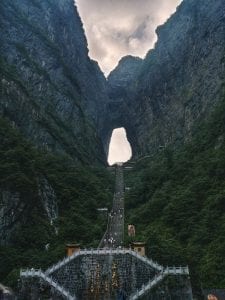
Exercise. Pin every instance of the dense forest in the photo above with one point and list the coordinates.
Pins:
(79, 191)
(177, 203)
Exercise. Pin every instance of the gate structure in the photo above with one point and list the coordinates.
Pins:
(111, 271)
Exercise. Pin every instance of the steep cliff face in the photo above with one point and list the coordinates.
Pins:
(59, 98)
(125, 72)
(53, 93)
(50, 88)
(180, 80)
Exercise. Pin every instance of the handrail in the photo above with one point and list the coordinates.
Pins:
(49, 280)
(147, 287)
(118, 205)
(105, 251)
(158, 278)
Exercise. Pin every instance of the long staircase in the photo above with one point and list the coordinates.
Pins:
(161, 271)
(114, 235)
(111, 252)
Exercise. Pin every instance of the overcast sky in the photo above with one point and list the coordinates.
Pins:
(119, 148)
(115, 28)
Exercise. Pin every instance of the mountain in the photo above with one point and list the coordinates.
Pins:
(176, 202)
(46, 201)
(173, 111)
(51, 97)
(57, 112)
(50, 89)
(60, 100)
(179, 81)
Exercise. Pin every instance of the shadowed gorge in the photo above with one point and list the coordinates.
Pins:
(57, 115)
(49, 77)
(50, 89)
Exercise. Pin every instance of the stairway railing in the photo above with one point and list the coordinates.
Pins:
(158, 278)
(117, 206)
(38, 273)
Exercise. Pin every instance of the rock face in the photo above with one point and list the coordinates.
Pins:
(13, 209)
(49, 87)
(51, 91)
(60, 100)
(178, 82)
(120, 93)
(125, 72)
(10, 210)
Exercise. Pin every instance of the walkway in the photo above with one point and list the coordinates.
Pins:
(114, 235)
(110, 269)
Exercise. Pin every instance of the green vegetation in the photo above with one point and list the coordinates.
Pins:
(177, 203)
(79, 191)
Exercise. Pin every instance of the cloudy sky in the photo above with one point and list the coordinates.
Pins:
(122, 152)
(115, 28)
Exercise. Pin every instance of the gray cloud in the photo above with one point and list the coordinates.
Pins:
(116, 28)
(140, 32)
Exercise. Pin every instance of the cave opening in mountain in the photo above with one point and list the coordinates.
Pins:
(119, 147)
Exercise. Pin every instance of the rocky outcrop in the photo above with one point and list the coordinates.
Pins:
(48, 198)
(50, 89)
(15, 209)
(125, 72)
(179, 81)
(10, 211)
